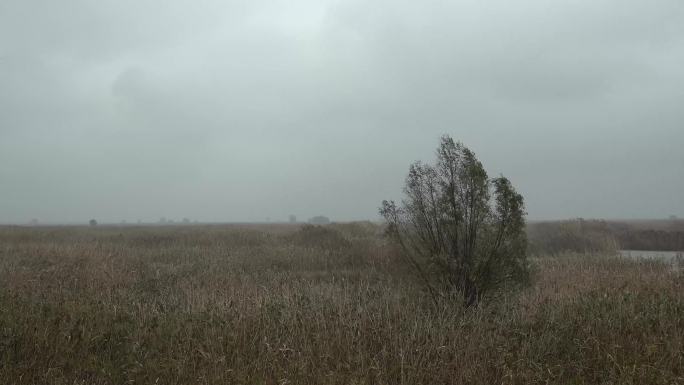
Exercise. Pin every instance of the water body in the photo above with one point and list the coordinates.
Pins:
(670, 256)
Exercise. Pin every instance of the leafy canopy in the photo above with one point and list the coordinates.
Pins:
(459, 228)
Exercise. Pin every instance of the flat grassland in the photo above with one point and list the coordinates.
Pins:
(324, 305)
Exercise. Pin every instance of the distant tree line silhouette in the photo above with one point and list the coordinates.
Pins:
(589, 236)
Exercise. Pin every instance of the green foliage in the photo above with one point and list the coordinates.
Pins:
(459, 228)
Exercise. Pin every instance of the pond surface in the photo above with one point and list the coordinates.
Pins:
(666, 255)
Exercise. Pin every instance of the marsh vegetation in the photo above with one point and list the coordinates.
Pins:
(284, 304)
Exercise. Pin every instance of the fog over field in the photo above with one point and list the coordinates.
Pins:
(247, 110)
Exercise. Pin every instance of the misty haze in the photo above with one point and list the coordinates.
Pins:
(238, 111)
(341, 192)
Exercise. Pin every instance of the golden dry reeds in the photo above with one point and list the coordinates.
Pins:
(329, 305)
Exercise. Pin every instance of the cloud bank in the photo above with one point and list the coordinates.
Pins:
(242, 111)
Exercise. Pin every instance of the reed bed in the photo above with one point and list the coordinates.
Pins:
(315, 305)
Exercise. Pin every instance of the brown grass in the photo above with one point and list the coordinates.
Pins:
(279, 305)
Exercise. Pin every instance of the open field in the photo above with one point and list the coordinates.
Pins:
(331, 305)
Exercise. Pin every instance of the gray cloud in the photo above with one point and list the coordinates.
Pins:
(245, 110)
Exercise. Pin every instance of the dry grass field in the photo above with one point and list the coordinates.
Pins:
(327, 305)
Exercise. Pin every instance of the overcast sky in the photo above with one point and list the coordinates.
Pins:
(246, 110)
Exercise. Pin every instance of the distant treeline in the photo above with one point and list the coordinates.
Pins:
(652, 240)
(590, 236)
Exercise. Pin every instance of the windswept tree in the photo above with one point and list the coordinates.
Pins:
(461, 230)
